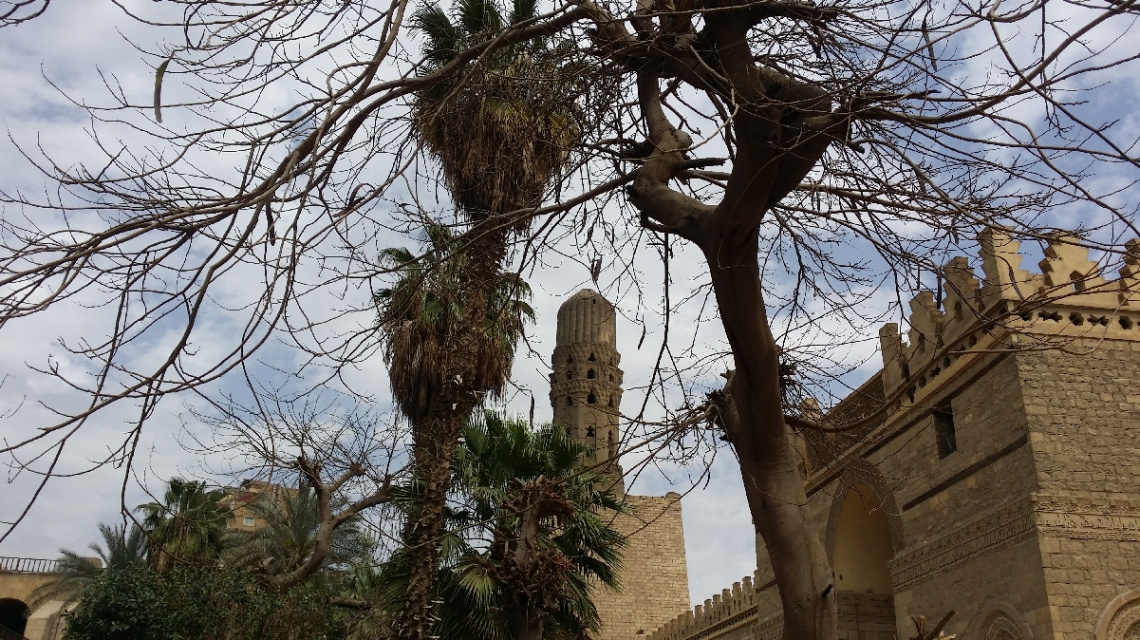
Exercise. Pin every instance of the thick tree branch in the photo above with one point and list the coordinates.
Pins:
(329, 520)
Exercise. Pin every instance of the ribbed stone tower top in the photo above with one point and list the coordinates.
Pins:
(587, 317)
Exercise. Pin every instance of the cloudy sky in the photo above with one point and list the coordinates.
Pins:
(72, 54)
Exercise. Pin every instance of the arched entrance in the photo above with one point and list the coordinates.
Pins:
(13, 617)
(861, 545)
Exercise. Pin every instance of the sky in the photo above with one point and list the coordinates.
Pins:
(78, 52)
(75, 51)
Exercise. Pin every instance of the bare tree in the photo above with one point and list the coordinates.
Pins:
(900, 129)
(350, 463)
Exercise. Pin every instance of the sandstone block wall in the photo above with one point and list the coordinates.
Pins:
(1083, 407)
(654, 577)
(1029, 525)
(45, 622)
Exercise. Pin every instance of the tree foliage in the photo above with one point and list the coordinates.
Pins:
(427, 308)
(288, 538)
(123, 551)
(527, 541)
(200, 602)
(187, 527)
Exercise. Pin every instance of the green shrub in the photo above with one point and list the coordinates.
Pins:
(200, 604)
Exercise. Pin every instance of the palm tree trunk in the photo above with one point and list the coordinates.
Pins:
(436, 440)
(436, 437)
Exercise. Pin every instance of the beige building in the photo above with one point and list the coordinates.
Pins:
(238, 500)
(993, 468)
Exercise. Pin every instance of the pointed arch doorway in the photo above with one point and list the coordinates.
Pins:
(862, 541)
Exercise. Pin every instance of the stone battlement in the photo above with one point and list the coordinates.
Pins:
(732, 607)
(1069, 298)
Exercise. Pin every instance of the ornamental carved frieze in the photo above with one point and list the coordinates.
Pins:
(1125, 625)
(1087, 517)
(1000, 528)
(769, 629)
(1079, 517)
(1001, 627)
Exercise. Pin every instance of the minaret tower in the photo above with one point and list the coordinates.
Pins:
(585, 387)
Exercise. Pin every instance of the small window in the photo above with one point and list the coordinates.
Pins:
(592, 399)
(944, 429)
(590, 432)
(569, 401)
(591, 374)
(592, 358)
(569, 375)
(247, 521)
(611, 401)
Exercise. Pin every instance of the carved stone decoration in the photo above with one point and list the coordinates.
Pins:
(1001, 627)
(770, 628)
(1120, 620)
(998, 620)
(1003, 527)
(1130, 275)
(1087, 518)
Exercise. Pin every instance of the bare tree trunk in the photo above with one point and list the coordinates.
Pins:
(773, 154)
(751, 408)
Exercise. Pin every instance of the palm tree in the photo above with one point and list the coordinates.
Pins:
(421, 314)
(548, 522)
(527, 539)
(123, 551)
(289, 536)
(445, 353)
(186, 527)
(500, 129)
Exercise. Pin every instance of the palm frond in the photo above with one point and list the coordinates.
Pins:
(443, 40)
(424, 311)
(479, 17)
(523, 10)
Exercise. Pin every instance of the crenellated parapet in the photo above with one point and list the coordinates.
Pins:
(1069, 298)
(731, 608)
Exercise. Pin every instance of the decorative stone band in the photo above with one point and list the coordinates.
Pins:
(770, 628)
(863, 608)
(1084, 517)
(1000, 528)
(1079, 517)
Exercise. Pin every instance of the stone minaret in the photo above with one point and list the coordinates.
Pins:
(585, 387)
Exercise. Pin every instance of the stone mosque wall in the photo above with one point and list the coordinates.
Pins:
(993, 467)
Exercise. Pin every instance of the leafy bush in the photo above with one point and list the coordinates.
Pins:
(200, 604)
